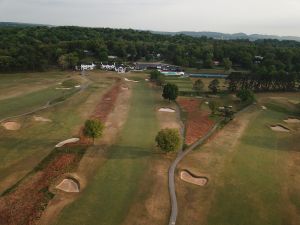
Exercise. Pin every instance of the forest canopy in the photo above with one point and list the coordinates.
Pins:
(40, 48)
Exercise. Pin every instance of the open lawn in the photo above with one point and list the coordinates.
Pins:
(185, 84)
(253, 172)
(21, 150)
(15, 84)
(107, 198)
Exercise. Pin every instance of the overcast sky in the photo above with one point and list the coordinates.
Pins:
(281, 17)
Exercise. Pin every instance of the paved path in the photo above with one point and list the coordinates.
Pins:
(179, 157)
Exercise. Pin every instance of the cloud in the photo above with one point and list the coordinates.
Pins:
(249, 16)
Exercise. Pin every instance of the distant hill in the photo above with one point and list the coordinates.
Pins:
(13, 24)
(214, 35)
(224, 36)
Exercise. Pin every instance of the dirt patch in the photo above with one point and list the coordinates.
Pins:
(41, 119)
(280, 128)
(68, 141)
(11, 125)
(69, 185)
(198, 122)
(189, 177)
(166, 110)
(292, 120)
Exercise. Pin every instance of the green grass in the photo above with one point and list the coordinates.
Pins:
(22, 104)
(21, 150)
(108, 196)
(185, 85)
(252, 182)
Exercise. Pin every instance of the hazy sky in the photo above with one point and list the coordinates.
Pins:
(280, 17)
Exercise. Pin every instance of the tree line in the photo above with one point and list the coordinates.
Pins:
(41, 48)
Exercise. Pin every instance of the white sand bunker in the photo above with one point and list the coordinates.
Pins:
(191, 178)
(166, 110)
(125, 88)
(41, 119)
(62, 88)
(135, 81)
(11, 125)
(264, 107)
(68, 141)
(69, 185)
(280, 128)
(292, 120)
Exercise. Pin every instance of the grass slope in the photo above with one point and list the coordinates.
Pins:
(253, 182)
(108, 196)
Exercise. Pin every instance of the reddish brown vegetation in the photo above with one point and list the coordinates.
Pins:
(25, 204)
(198, 122)
(107, 104)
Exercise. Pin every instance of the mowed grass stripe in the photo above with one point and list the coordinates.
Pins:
(31, 101)
(108, 196)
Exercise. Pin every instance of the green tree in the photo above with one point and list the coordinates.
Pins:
(227, 64)
(214, 86)
(170, 92)
(168, 140)
(93, 129)
(213, 106)
(198, 85)
(246, 95)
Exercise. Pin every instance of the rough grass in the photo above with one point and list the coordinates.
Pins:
(108, 196)
(254, 182)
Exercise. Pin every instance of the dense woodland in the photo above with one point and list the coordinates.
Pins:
(41, 48)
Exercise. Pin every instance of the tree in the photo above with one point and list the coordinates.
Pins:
(245, 95)
(198, 85)
(170, 92)
(168, 140)
(213, 106)
(214, 86)
(228, 113)
(93, 129)
(227, 64)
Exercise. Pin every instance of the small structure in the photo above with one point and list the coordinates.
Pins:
(87, 67)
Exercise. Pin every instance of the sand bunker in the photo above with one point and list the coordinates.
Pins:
(125, 88)
(166, 110)
(280, 128)
(135, 81)
(69, 185)
(11, 125)
(77, 86)
(71, 140)
(147, 80)
(62, 88)
(292, 120)
(263, 107)
(191, 178)
(41, 119)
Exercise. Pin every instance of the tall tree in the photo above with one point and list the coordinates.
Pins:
(170, 92)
